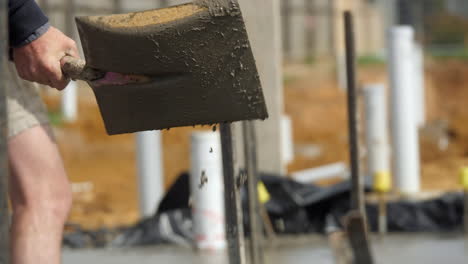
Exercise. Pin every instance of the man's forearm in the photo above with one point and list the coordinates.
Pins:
(25, 22)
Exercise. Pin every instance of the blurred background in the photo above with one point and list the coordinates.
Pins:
(103, 168)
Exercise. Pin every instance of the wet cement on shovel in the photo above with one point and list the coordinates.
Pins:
(197, 56)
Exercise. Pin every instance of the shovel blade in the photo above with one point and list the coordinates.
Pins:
(200, 66)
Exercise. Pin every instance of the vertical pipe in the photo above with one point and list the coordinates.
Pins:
(378, 154)
(382, 221)
(250, 151)
(207, 190)
(405, 145)
(357, 196)
(150, 171)
(70, 102)
(419, 85)
(4, 214)
(70, 94)
(287, 142)
(232, 205)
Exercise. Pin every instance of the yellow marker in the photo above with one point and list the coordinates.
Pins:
(464, 178)
(382, 181)
(263, 195)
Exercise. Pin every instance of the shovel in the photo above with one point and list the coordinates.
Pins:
(185, 65)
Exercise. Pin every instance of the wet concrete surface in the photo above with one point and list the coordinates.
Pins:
(407, 248)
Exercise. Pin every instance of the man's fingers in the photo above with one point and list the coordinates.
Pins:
(39, 61)
(73, 52)
(56, 78)
(71, 48)
(62, 83)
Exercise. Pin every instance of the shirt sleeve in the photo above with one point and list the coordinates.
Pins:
(26, 20)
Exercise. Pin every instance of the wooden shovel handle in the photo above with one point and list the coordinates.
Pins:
(76, 69)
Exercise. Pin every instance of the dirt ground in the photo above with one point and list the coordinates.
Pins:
(103, 168)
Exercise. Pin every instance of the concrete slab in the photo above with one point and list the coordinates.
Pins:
(404, 248)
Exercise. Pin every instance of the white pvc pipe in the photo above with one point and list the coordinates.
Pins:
(207, 191)
(70, 102)
(406, 167)
(378, 154)
(335, 170)
(341, 72)
(150, 171)
(287, 142)
(419, 85)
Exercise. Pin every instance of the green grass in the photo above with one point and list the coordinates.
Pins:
(370, 60)
(310, 60)
(459, 54)
(55, 118)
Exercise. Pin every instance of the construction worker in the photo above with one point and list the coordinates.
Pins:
(39, 189)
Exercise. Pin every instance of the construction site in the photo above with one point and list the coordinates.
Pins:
(363, 157)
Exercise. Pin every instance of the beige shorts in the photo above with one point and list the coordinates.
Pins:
(25, 108)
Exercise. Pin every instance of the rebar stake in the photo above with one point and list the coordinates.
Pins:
(356, 223)
(233, 209)
(250, 155)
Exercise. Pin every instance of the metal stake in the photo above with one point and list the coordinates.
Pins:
(465, 217)
(357, 199)
(233, 209)
(382, 214)
(356, 224)
(250, 151)
(4, 213)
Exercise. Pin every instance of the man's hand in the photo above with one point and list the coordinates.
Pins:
(39, 61)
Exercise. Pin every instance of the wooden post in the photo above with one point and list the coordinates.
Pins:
(263, 23)
(69, 17)
(45, 6)
(298, 30)
(232, 203)
(4, 214)
(117, 6)
(250, 150)
(285, 28)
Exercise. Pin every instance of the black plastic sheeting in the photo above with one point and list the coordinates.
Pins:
(294, 208)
